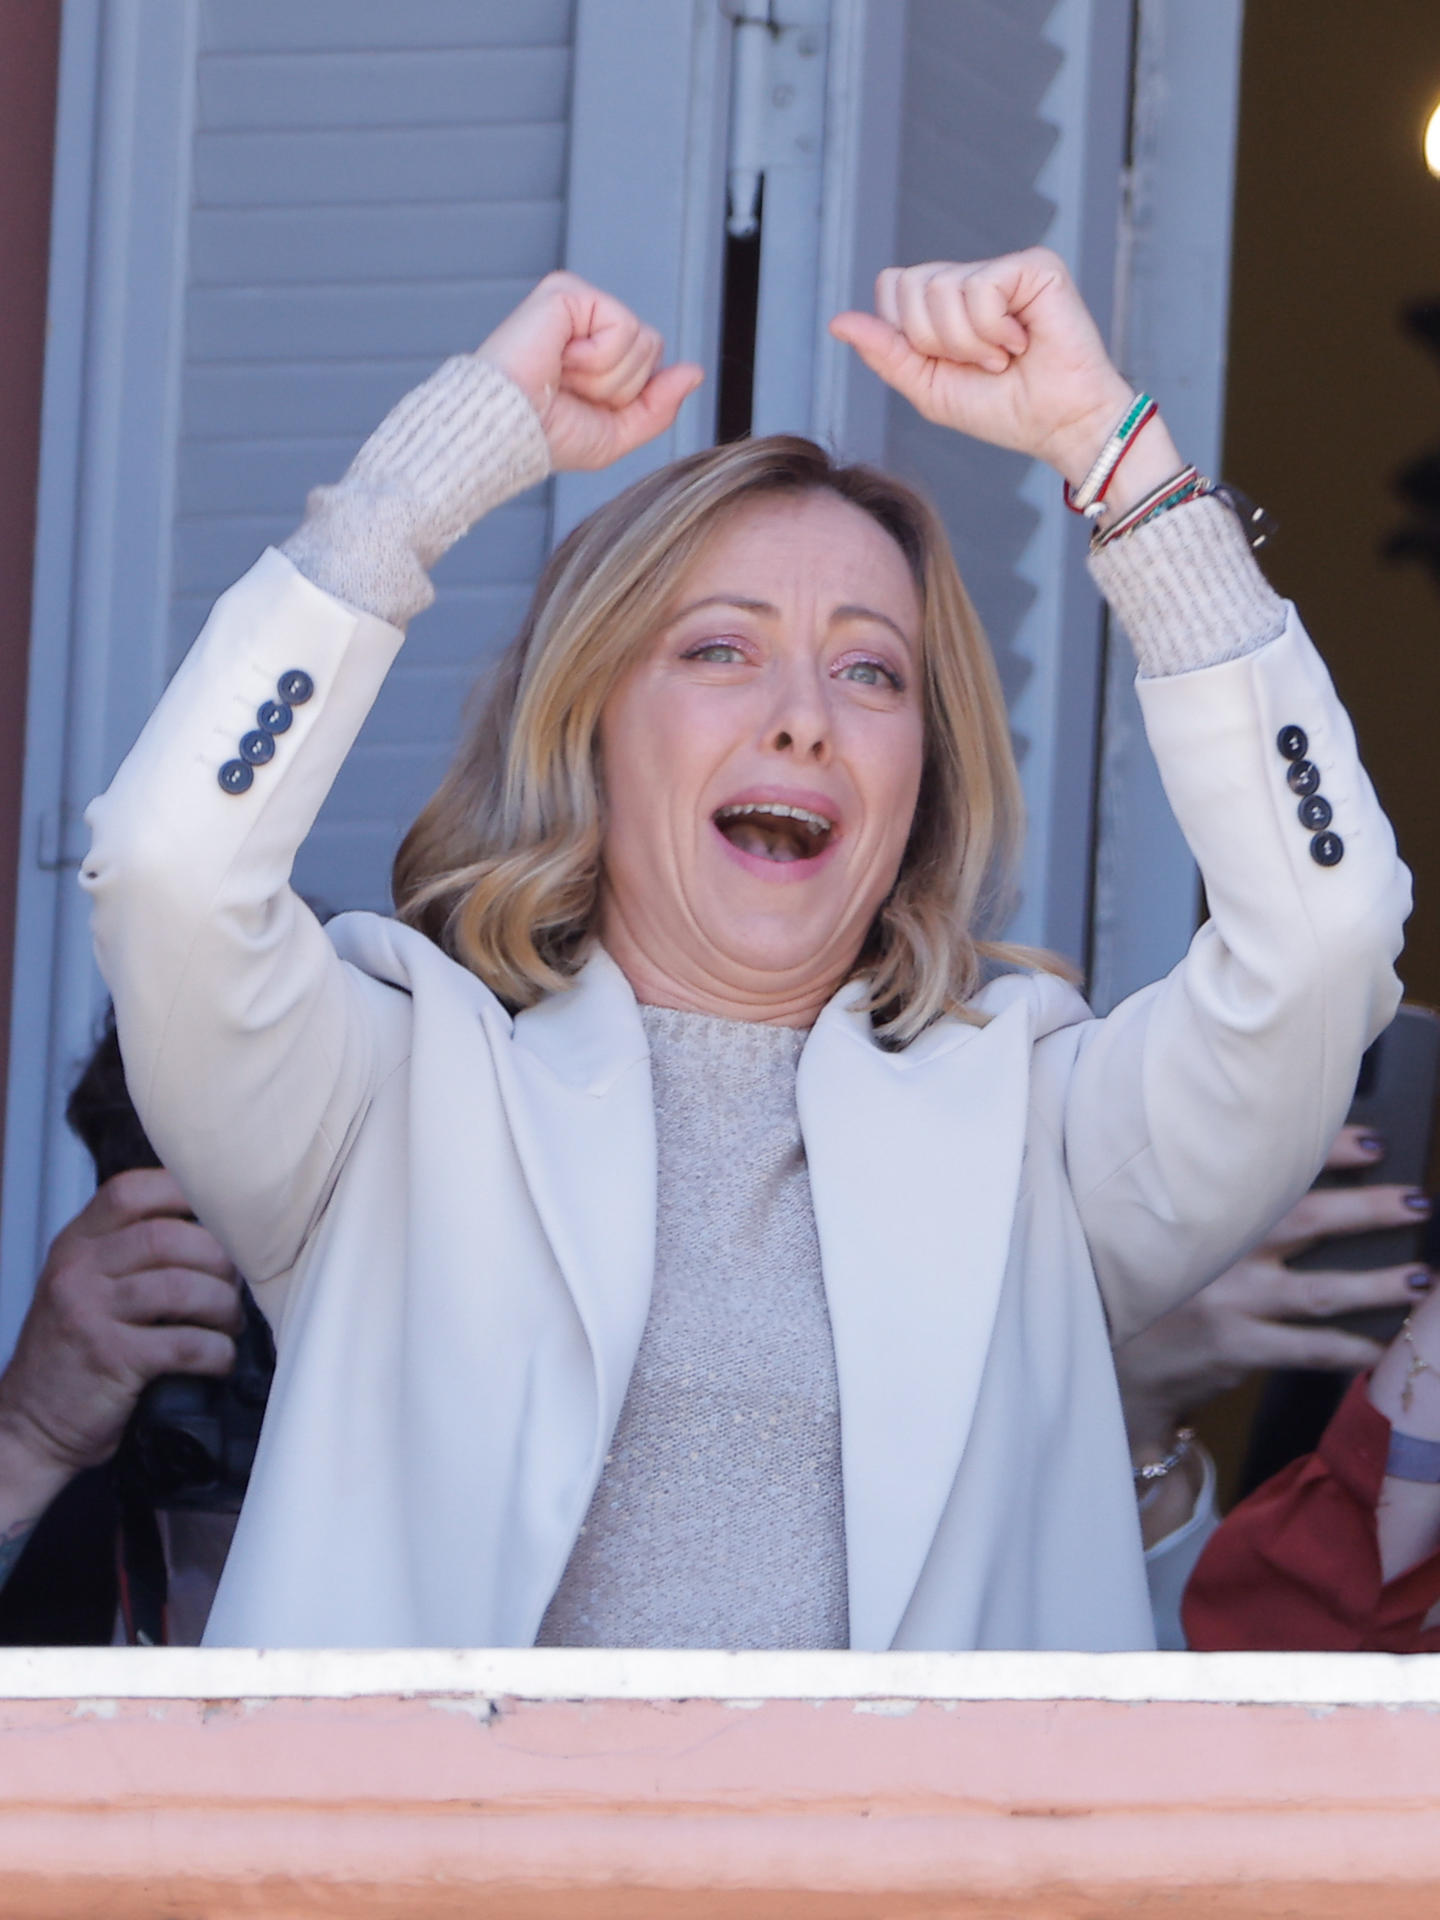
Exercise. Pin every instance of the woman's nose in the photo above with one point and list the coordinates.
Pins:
(800, 722)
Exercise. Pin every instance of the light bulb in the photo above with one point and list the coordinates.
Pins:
(1432, 143)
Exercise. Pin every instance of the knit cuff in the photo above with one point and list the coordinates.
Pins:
(464, 441)
(1187, 591)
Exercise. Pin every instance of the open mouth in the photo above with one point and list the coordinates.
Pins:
(772, 831)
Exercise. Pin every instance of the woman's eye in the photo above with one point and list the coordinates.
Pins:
(870, 673)
(721, 652)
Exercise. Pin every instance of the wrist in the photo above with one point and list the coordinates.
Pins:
(1150, 1426)
(1167, 1484)
(1149, 462)
(1144, 459)
(31, 1472)
(1074, 446)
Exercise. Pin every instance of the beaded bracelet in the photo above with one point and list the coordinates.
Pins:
(1089, 497)
(1150, 1479)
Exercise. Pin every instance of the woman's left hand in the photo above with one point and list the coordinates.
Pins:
(1004, 350)
(591, 370)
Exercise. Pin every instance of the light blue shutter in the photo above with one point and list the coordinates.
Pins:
(1013, 135)
(374, 186)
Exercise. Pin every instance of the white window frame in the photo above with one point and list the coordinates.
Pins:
(109, 431)
(653, 234)
(1171, 335)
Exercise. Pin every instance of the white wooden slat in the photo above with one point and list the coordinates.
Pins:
(243, 325)
(364, 206)
(390, 164)
(273, 476)
(219, 547)
(422, 713)
(337, 866)
(457, 88)
(312, 401)
(354, 245)
(468, 627)
(247, 26)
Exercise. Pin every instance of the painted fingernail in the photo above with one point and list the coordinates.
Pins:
(1371, 1143)
(1420, 1281)
(1418, 1202)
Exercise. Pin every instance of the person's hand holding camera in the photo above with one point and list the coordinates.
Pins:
(133, 1288)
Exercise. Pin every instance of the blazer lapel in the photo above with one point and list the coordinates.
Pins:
(577, 1091)
(914, 1163)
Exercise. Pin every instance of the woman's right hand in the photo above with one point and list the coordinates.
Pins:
(591, 371)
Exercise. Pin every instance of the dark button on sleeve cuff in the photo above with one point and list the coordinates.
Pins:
(257, 747)
(1292, 742)
(274, 716)
(295, 687)
(236, 777)
(1315, 812)
(1327, 849)
(1303, 777)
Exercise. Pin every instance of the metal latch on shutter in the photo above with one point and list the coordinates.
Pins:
(777, 99)
(774, 180)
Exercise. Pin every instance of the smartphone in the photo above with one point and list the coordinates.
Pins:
(1395, 1096)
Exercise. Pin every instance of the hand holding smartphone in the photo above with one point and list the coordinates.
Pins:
(1395, 1098)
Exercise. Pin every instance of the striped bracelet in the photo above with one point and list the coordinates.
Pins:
(1089, 497)
(1188, 484)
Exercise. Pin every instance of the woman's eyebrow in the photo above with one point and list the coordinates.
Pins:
(872, 613)
(740, 600)
(747, 605)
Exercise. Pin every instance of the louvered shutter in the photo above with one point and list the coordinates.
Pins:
(374, 186)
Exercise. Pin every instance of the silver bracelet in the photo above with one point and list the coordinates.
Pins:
(1150, 1479)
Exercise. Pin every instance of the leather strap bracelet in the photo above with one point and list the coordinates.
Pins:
(1411, 1458)
(1188, 484)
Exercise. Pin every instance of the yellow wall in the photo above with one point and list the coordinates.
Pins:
(1337, 228)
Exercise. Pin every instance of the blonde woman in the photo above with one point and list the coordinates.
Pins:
(682, 1227)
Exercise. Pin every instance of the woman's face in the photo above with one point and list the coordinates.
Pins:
(761, 764)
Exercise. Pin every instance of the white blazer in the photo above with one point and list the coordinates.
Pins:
(450, 1213)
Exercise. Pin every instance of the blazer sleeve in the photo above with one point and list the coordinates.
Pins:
(250, 1048)
(1202, 1107)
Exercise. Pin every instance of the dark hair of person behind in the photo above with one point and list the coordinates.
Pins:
(100, 1112)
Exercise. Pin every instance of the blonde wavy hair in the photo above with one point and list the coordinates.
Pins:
(502, 869)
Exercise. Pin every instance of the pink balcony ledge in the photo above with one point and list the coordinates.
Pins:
(624, 1786)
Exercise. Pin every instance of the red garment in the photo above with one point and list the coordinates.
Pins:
(1296, 1567)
